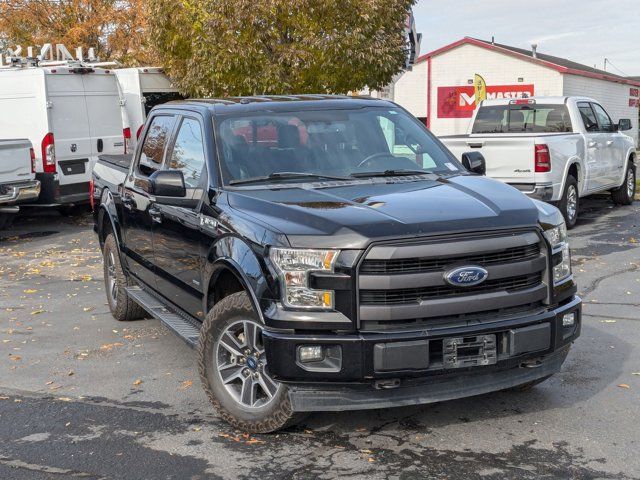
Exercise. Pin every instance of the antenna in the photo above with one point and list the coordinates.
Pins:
(534, 50)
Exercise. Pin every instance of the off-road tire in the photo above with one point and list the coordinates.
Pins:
(622, 195)
(125, 308)
(277, 414)
(570, 184)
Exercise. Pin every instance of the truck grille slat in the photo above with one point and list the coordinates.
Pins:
(418, 265)
(414, 295)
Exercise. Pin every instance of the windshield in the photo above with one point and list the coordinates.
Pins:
(327, 144)
(533, 118)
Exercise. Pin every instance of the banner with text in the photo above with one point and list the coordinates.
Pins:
(459, 102)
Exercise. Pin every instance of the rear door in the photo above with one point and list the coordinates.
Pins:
(69, 124)
(137, 201)
(104, 112)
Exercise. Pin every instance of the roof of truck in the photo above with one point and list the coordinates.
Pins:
(279, 102)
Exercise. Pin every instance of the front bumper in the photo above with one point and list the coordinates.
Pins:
(359, 369)
(19, 192)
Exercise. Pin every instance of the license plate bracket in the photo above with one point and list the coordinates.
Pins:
(472, 351)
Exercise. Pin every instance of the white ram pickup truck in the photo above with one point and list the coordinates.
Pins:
(555, 149)
(18, 182)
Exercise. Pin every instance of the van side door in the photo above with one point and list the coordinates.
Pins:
(177, 233)
(137, 200)
(594, 161)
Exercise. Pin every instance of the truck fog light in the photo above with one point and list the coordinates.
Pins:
(569, 319)
(310, 353)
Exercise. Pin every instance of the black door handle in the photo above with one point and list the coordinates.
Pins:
(100, 145)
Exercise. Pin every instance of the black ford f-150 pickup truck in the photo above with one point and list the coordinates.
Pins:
(327, 253)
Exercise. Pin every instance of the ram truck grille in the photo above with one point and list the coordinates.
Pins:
(402, 285)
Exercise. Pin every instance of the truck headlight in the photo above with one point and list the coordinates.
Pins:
(294, 266)
(557, 237)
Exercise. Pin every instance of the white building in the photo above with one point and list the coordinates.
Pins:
(439, 88)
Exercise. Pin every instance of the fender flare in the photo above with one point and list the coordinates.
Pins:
(232, 254)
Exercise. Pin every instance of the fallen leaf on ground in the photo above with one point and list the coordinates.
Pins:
(608, 321)
(37, 312)
(137, 382)
(15, 358)
(186, 384)
(30, 290)
(109, 346)
(624, 385)
(635, 373)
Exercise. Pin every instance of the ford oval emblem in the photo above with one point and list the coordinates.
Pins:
(466, 276)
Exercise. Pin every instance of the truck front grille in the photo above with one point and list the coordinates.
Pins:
(402, 285)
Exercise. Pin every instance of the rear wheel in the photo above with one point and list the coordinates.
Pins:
(625, 194)
(115, 281)
(570, 202)
(234, 371)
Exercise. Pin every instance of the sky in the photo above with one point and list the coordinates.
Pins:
(584, 31)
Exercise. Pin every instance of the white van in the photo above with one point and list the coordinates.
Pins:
(71, 114)
(142, 89)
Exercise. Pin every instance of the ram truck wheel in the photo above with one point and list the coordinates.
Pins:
(234, 371)
(625, 194)
(122, 307)
(570, 202)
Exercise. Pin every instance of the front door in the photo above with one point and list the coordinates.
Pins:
(177, 233)
(595, 149)
(136, 200)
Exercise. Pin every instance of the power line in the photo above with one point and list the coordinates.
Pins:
(606, 60)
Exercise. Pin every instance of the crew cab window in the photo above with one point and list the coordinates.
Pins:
(588, 117)
(188, 152)
(528, 117)
(155, 144)
(604, 121)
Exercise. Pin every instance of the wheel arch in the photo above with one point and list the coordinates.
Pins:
(107, 219)
(574, 167)
(232, 266)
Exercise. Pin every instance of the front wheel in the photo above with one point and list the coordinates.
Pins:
(234, 371)
(570, 202)
(625, 194)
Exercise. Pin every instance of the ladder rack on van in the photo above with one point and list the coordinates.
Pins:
(63, 57)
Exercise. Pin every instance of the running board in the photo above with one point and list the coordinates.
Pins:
(158, 310)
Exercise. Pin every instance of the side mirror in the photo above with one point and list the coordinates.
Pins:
(167, 183)
(624, 124)
(474, 162)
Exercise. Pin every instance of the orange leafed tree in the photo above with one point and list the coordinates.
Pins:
(115, 28)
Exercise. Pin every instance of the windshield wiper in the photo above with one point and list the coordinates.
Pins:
(286, 176)
(390, 173)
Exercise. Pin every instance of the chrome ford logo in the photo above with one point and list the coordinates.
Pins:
(466, 276)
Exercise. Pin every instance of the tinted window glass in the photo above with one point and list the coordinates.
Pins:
(535, 118)
(338, 142)
(188, 152)
(151, 99)
(588, 117)
(606, 125)
(155, 144)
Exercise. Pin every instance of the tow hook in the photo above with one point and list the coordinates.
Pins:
(387, 383)
(531, 364)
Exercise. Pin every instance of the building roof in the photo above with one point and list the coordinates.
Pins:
(559, 64)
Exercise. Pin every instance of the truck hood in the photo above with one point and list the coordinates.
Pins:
(351, 216)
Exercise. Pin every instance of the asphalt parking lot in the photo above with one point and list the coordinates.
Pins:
(82, 395)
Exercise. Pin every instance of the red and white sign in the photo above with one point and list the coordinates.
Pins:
(460, 102)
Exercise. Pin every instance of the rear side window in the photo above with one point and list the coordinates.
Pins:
(188, 152)
(155, 143)
(529, 118)
(588, 117)
(604, 121)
